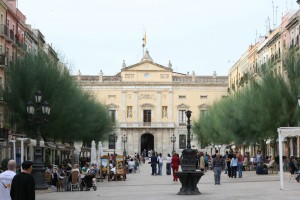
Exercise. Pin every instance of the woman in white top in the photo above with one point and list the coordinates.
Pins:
(160, 164)
(168, 166)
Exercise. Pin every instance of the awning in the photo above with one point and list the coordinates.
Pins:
(50, 145)
(32, 142)
(60, 146)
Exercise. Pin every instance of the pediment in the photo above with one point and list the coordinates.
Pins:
(203, 106)
(147, 105)
(112, 106)
(183, 106)
(147, 66)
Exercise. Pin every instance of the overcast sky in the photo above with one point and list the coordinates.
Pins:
(196, 35)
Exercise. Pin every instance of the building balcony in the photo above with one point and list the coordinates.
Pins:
(146, 125)
(3, 61)
(11, 36)
(3, 134)
(3, 31)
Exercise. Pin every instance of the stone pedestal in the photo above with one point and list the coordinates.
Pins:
(189, 181)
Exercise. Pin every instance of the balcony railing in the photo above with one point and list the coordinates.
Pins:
(3, 60)
(147, 125)
(3, 30)
(3, 133)
(11, 35)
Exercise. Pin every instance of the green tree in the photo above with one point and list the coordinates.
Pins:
(75, 115)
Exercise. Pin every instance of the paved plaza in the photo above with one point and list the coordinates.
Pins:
(142, 185)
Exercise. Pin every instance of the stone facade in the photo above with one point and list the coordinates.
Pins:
(148, 102)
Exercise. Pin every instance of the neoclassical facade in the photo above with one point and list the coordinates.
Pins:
(148, 103)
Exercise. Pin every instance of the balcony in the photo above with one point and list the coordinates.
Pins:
(3, 134)
(20, 43)
(147, 125)
(11, 35)
(3, 61)
(3, 30)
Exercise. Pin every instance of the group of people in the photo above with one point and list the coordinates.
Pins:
(18, 186)
(63, 174)
(156, 161)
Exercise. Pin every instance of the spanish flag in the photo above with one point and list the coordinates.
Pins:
(144, 40)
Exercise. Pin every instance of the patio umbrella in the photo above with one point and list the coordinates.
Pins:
(93, 152)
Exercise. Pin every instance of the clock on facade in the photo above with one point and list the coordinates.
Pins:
(146, 75)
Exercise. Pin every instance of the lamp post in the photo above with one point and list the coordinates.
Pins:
(173, 140)
(38, 114)
(188, 115)
(124, 140)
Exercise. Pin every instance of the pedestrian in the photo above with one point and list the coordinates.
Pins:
(160, 163)
(175, 165)
(168, 166)
(6, 179)
(201, 161)
(23, 186)
(233, 166)
(206, 158)
(240, 159)
(228, 161)
(258, 160)
(153, 164)
(217, 168)
(225, 163)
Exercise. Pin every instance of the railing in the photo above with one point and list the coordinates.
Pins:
(3, 60)
(147, 124)
(3, 30)
(11, 35)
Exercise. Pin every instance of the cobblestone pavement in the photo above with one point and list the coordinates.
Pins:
(142, 185)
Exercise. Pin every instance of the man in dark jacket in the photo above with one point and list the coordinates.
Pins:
(22, 187)
(153, 164)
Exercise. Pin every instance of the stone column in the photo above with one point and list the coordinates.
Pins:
(170, 109)
(123, 106)
(159, 107)
(136, 106)
(22, 149)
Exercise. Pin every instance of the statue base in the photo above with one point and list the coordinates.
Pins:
(189, 181)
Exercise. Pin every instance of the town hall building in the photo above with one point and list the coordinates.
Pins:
(148, 101)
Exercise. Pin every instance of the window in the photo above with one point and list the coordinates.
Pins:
(129, 111)
(147, 117)
(182, 141)
(164, 113)
(111, 141)
(203, 96)
(182, 97)
(202, 113)
(129, 76)
(182, 117)
(112, 114)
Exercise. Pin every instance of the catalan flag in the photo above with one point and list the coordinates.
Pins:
(144, 40)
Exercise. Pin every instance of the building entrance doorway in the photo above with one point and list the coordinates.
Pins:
(147, 142)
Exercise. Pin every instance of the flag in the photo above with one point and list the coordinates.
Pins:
(144, 40)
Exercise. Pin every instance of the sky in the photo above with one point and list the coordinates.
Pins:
(195, 35)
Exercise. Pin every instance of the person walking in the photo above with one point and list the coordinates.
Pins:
(160, 164)
(22, 187)
(175, 165)
(240, 159)
(153, 164)
(217, 168)
(225, 163)
(201, 161)
(233, 166)
(259, 160)
(6, 179)
(168, 165)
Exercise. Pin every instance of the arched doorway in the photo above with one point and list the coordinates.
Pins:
(147, 142)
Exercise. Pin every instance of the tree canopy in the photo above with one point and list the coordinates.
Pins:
(75, 115)
(254, 112)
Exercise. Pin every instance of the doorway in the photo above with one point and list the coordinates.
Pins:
(147, 142)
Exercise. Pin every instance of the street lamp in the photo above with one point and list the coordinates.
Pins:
(173, 140)
(124, 140)
(38, 114)
(188, 115)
